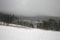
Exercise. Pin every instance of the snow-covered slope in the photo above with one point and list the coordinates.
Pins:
(13, 33)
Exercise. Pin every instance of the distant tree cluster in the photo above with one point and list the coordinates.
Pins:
(6, 17)
(51, 24)
(25, 23)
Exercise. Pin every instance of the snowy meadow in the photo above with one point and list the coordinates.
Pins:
(14, 33)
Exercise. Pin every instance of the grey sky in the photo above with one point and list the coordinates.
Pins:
(31, 7)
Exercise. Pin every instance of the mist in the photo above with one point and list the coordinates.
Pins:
(31, 7)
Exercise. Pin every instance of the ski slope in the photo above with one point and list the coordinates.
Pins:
(14, 33)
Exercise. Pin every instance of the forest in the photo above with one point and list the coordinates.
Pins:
(50, 24)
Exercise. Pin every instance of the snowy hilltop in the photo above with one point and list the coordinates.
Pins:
(15, 33)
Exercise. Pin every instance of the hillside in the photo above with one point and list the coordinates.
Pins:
(44, 22)
(14, 33)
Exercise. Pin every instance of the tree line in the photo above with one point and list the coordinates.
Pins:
(7, 18)
(51, 24)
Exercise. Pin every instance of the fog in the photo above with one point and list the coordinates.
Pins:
(31, 7)
(14, 33)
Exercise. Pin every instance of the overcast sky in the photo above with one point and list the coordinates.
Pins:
(31, 7)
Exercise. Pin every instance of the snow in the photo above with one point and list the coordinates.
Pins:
(14, 33)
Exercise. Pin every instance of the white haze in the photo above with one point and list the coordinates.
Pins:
(31, 7)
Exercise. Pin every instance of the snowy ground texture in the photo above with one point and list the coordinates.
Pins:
(13, 33)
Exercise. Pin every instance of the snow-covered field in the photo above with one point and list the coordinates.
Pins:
(13, 33)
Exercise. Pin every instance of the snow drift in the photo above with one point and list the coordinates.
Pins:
(13, 33)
